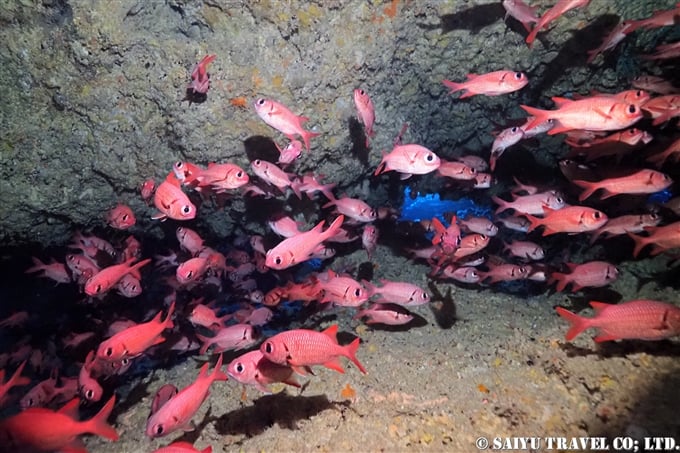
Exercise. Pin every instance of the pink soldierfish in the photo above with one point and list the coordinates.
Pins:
(365, 111)
(178, 411)
(301, 247)
(490, 84)
(409, 160)
(400, 293)
(253, 369)
(561, 7)
(302, 348)
(282, 119)
(388, 314)
(200, 79)
(593, 274)
(635, 320)
(521, 11)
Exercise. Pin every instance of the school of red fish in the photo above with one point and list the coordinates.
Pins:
(598, 127)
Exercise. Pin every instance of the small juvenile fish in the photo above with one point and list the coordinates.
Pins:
(282, 119)
(489, 84)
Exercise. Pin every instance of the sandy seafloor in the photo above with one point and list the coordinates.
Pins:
(481, 364)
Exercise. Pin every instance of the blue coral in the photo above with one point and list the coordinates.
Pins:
(428, 206)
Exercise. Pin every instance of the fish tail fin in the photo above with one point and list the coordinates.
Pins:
(206, 343)
(578, 323)
(539, 115)
(218, 374)
(37, 266)
(381, 166)
(502, 204)
(535, 222)
(307, 136)
(453, 86)
(168, 318)
(371, 289)
(588, 188)
(532, 36)
(98, 424)
(640, 243)
(561, 280)
(334, 227)
(351, 351)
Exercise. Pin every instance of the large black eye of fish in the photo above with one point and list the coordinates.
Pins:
(429, 157)
(158, 430)
(519, 75)
(239, 367)
(108, 352)
(98, 289)
(278, 260)
(239, 174)
(179, 165)
(632, 108)
(186, 209)
(596, 214)
(357, 292)
(89, 394)
(260, 101)
(190, 274)
(268, 347)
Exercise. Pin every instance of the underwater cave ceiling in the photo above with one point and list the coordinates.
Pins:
(93, 93)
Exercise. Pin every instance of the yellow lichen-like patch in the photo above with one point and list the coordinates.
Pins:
(277, 81)
(497, 362)
(256, 79)
(606, 382)
(211, 15)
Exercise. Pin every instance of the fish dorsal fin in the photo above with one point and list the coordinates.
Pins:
(599, 306)
(70, 409)
(332, 332)
(560, 101)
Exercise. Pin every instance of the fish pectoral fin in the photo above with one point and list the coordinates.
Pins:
(602, 113)
(334, 364)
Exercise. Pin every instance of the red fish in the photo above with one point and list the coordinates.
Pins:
(490, 84)
(400, 293)
(222, 177)
(200, 79)
(369, 239)
(409, 160)
(599, 113)
(634, 320)
(291, 152)
(172, 202)
(15, 381)
(46, 430)
(456, 170)
(55, 270)
(642, 182)
(531, 204)
(618, 33)
(182, 447)
(253, 369)
(353, 208)
(107, 278)
(593, 274)
(178, 411)
(282, 119)
(654, 84)
(88, 386)
(672, 152)
(388, 314)
(134, 340)
(633, 223)
(121, 217)
(572, 219)
(525, 250)
(301, 247)
(448, 239)
(365, 111)
(230, 338)
(505, 273)
(662, 238)
(561, 7)
(661, 18)
(273, 175)
(146, 189)
(302, 348)
(521, 11)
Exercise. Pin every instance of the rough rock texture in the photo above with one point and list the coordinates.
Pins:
(92, 91)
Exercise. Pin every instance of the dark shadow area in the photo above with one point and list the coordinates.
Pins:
(358, 138)
(472, 19)
(193, 435)
(442, 307)
(261, 147)
(623, 348)
(571, 54)
(281, 409)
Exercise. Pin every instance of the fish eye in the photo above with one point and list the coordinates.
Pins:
(89, 394)
(559, 200)
(425, 296)
(108, 352)
(97, 289)
(186, 209)
(125, 217)
(482, 237)
(429, 157)
(268, 347)
(357, 292)
(239, 367)
(519, 75)
(179, 164)
(190, 274)
(239, 174)
(514, 129)
(158, 429)
(278, 260)
(640, 93)
(125, 361)
(260, 101)
(596, 214)
(632, 108)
